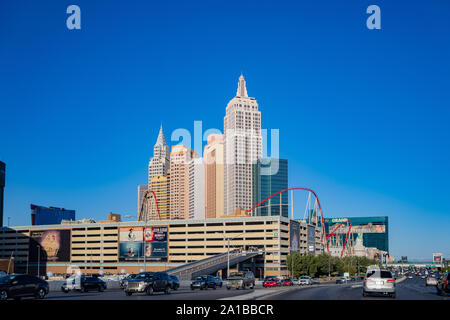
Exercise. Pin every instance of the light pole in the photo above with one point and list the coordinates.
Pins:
(228, 259)
(28, 260)
(292, 265)
(145, 251)
(39, 260)
(329, 266)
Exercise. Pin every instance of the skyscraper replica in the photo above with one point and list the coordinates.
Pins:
(158, 181)
(243, 147)
(159, 164)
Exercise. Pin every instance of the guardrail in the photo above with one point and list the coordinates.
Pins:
(193, 263)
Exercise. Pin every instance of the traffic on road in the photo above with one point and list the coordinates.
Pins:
(378, 283)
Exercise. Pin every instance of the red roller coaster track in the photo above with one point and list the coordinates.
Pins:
(326, 235)
(156, 201)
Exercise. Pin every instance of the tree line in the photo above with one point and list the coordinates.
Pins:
(324, 265)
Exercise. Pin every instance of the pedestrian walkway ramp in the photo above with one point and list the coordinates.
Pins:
(212, 264)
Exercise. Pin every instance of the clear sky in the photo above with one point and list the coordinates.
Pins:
(363, 114)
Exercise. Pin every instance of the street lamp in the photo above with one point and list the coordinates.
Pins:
(39, 260)
(144, 249)
(329, 266)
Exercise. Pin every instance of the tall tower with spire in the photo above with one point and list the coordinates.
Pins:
(158, 180)
(159, 163)
(243, 147)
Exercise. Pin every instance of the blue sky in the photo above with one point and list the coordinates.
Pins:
(363, 114)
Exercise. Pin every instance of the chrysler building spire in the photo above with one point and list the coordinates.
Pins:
(161, 139)
(242, 90)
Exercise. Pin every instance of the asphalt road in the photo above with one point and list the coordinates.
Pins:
(409, 289)
(180, 294)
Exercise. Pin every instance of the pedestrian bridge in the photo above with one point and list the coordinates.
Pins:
(415, 265)
(212, 264)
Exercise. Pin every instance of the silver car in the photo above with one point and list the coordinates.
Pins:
(305, 280)
(379, 281)
(431, 281)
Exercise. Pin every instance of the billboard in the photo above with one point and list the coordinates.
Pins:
(137, 242)
(156, 242)
(311, 239)
(130, 251)
(437, 257)
(155, 234)
(131, 234)
(367, 228)
(156, 249)
(49, 245)
(294, 236)
(131, 243)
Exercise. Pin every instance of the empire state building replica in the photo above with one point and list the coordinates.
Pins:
(243, 147)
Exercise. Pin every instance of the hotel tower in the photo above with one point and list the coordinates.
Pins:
(243, 147)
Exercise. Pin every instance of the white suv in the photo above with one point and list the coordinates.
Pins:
(379, 281)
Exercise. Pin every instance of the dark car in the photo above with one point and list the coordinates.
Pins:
(149, 282)
(442, 286)
(83, 284)
(17, 286)
(123, 283)
(341, 280)
(204, 282)
(287, 282)
(219, 282)
(174, 282)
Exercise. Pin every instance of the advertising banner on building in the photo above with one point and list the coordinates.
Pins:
(131, 246)
(137, 242)
(368, 228)
(130, 251)
(156, 249)
(156, 234)
(49, 245)
(131, 234)
(311, 239)
(294, 236)
(437, 257)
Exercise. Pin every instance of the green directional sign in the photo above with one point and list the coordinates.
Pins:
(275, 234)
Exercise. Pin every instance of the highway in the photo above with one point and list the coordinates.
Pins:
(180, 294)
(409, 289)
